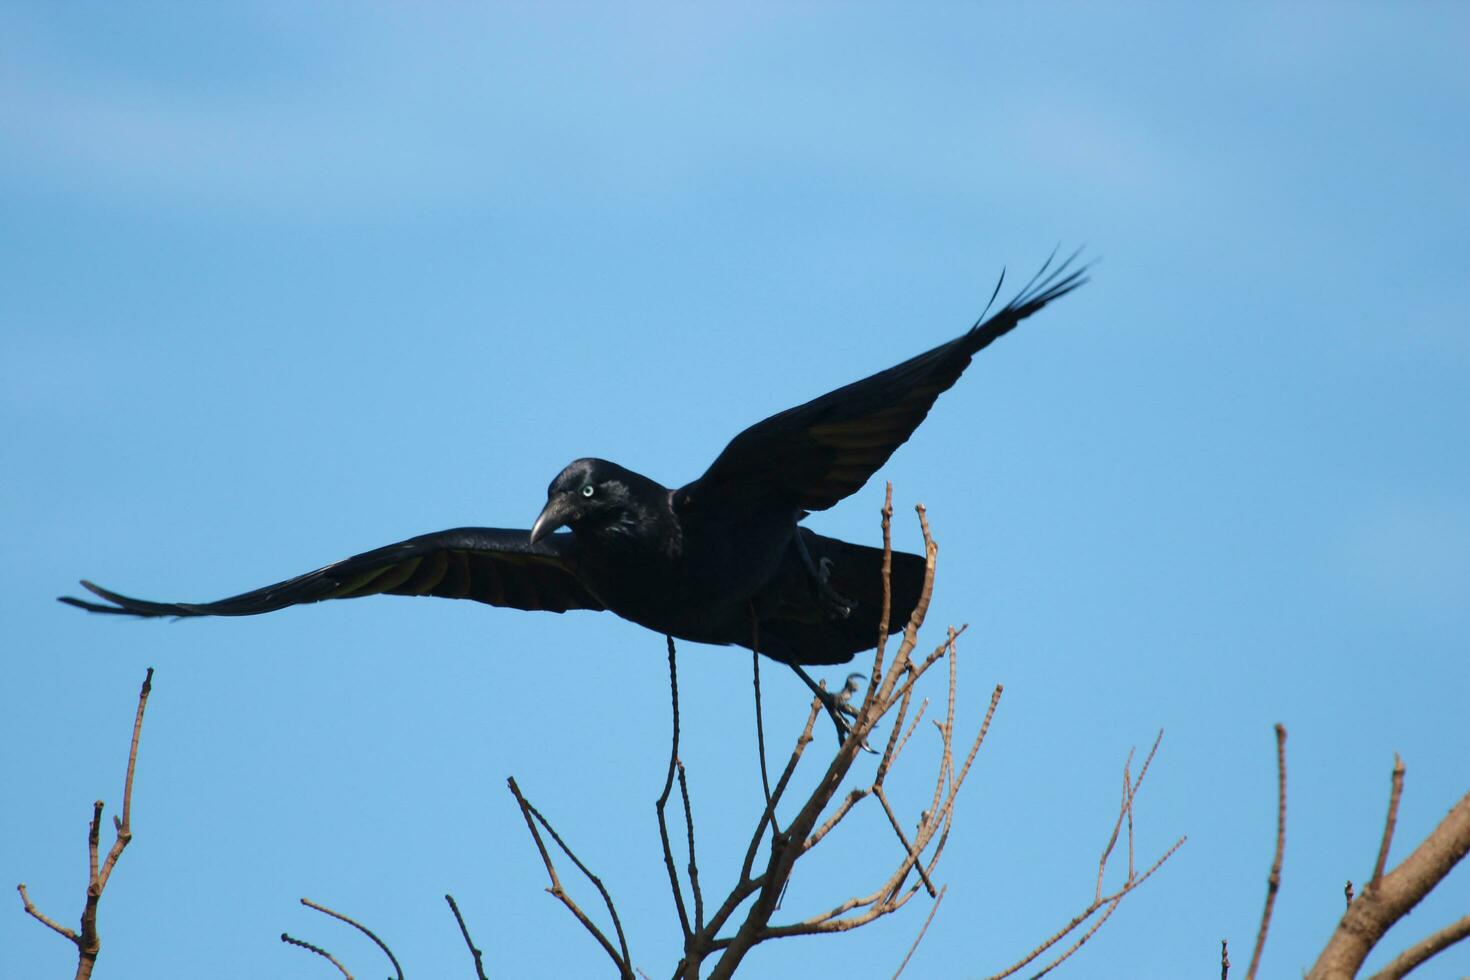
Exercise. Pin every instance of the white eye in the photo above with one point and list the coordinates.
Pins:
(588, 491)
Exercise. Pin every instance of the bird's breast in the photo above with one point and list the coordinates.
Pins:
(694, 590)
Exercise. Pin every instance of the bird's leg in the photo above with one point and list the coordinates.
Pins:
(828, 598)
(839, 706)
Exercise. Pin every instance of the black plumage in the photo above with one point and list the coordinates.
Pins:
(694, 562)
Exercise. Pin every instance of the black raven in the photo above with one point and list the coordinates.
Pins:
(707, 562)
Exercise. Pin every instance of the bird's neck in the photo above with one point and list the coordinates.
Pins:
(645, 523)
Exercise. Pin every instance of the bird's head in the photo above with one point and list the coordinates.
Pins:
(589, 493)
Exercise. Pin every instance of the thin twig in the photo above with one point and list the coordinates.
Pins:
(1224, 960)
(876, 675)
(303, 944)
(1416, 954)
(922, 929)
(760, 727)
(1088, 913)
(1102, 861)
(360, 928)
(1128, 795)
(663, 798)
(41, 917)
(802, 741)
(1125, 812)
(124, 827)
(1273, 883)
(913, 673)
(693, 864)
(465, 932)
(908, 848)
(1100, 901)
(528, 811)
(1396, 790)
(87, 941)
(1081, 940)
(891, 757)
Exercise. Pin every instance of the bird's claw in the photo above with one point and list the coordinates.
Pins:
(832, 601)
(839, 707)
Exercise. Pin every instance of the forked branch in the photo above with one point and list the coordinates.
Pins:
(87, 940)
(1388, 897)
(1102, 906)
(533, 817)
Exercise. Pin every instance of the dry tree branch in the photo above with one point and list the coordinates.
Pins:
(465, 932)
(760, 726)
(1273, 881)
(619, 956)
(1106, 904)
(303, 944)
(87, 941)
(663, 800)
(890, 690)
(1424, 949)
(922, 930)
(359, 927)
(1389, 897)
(1395, 792)
(693, 864)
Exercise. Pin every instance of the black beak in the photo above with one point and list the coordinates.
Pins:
(558, 512)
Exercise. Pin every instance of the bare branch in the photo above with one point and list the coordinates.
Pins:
(623, 960)
(1100, 902)
(922, 929)
(1391, 897)
(40, 917)
(908, 849)
(360, 928)
(87, 941)
(1066, 954)
(303, 944)
(1102, 861)
(1224, 960)
(802, 741)
(465, 932)
(876, 675)
(663, 798)
(853, 797)
(760, 726)
(1396, 790)
(693, 864)
(1273, 881)
(1088, 913)
(124, 827)
(1416, 954)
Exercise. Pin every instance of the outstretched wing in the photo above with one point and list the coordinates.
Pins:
(493, 565)
(813, 455)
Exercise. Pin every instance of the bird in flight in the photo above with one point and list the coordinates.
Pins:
(721, 560)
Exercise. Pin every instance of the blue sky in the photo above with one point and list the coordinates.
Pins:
(284, 284)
